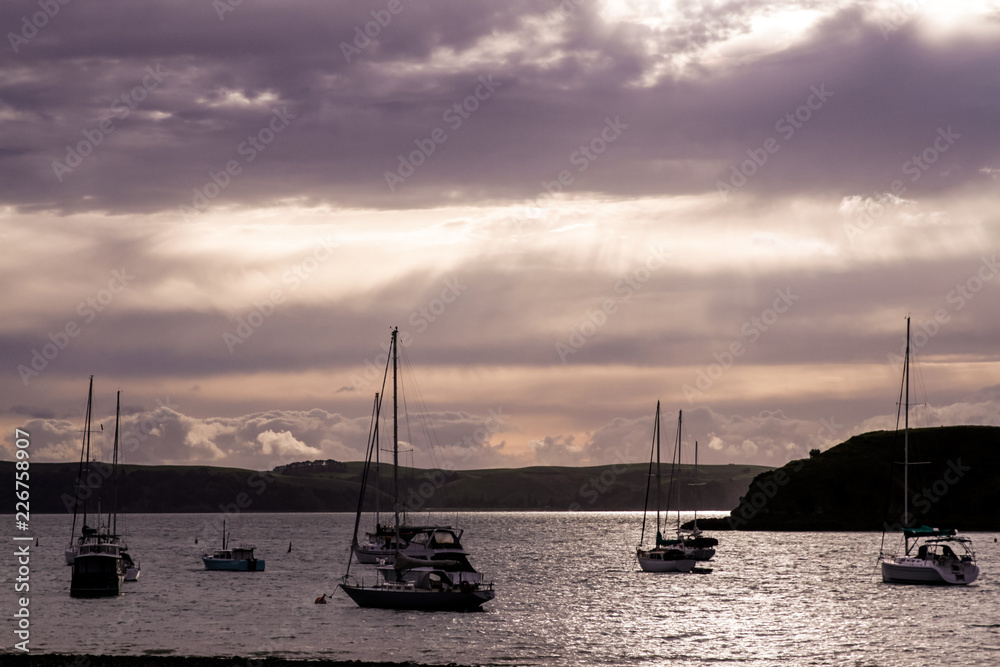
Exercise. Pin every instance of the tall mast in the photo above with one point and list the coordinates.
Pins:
(372, 444)
(83, 447)
(654, 444)
(113, 522)
(906, 426)
(680, 420)
(378, 474)
(657, 472)
(86, 440)
(695, 526)
(395, 439)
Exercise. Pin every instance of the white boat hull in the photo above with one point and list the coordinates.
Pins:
(654, 561)
(368, 556)
(927, 572)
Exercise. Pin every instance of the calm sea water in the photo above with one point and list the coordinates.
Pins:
(569, 592)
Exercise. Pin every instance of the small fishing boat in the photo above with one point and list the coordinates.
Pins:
(233, 559)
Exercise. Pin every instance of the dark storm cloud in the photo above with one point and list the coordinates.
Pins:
(348, 121)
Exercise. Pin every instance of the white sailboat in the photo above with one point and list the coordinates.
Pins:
(424, 584)
(663, 556)
(930, 555)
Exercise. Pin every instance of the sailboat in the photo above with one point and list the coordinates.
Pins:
(431, 587)
(691, 539)
(380, 547)
(664, 555)
(102, 560)
(931, 555)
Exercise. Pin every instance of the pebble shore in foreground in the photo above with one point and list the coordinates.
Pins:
(66, 660)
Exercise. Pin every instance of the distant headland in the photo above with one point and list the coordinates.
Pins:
(858, 485)
(333, 486)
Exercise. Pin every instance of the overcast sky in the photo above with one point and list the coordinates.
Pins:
(569, 210)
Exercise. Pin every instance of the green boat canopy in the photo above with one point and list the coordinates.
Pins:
(660, 542)
(927, 531)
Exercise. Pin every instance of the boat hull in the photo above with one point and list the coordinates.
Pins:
(374, 556)
(929, 573)
(97, 576)
(701, 553)
(410, 598)
(255, 565)
(656, 561)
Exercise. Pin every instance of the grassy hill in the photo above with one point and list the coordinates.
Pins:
(151, 489)
(858, 485)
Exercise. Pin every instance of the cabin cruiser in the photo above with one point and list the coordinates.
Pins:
(433, 549)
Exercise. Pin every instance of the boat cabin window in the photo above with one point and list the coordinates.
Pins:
(420, 538)
(94, 565)
(444, 538)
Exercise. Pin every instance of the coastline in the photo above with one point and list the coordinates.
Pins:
(78, 660)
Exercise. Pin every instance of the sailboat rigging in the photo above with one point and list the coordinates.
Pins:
(929, 554)
(663, 556)
(412, 583)
(101, 562)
